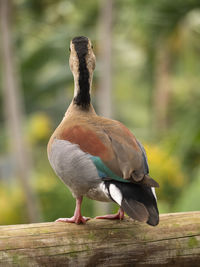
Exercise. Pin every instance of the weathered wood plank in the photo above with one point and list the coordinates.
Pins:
(175, 241)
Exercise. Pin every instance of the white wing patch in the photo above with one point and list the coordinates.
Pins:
(115, 193)
(154, 192)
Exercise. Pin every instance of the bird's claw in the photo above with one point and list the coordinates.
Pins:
(77, 220)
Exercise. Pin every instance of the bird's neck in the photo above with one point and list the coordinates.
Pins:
(82, 85)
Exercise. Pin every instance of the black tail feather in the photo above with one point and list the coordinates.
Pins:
(137, 201)
(135, 210)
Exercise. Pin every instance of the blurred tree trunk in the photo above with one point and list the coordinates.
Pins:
(104, 102)
(13, 105)
(161, 96)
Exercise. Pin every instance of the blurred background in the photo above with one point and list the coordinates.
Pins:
(147, 76)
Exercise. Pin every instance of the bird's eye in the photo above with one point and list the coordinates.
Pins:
(69, 49)
(92, 46)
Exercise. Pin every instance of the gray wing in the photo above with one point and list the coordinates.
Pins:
(73, 166)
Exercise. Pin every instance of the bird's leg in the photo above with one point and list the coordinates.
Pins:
(77, 218)
(118, 216)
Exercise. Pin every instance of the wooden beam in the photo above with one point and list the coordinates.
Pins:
(175, 241)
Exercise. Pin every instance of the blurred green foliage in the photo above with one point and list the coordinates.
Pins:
(42, 31)
(189, 199)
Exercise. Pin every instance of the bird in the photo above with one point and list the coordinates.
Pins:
(98, 157)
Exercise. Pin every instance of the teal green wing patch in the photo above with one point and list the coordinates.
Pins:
(104, 171)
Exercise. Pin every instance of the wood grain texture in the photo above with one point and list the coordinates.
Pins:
(174, 242)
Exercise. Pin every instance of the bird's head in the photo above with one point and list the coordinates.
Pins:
(82, 58)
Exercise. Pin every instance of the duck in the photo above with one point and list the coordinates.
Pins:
(98, 157)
